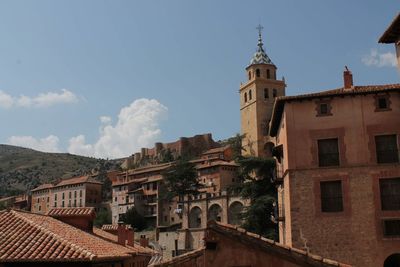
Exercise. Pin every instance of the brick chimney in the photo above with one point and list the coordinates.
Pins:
(347, 78)
(143, 241)
(125, 235)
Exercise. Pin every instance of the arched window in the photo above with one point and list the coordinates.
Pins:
(250, 95)
(249, 75)
(245, 97)
(195, 218)
(258, 72)
(266, 93)
(392, 261)
(215, 213)
(235, 213)
(274, 92)
(268, 74)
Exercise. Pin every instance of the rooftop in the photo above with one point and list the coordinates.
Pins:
(78, 180)
(355, 90)
(392, 33)
(28, 237)
(65, 212)
(42, 187)
(260, 57)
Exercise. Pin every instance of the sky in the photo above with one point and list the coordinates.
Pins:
(105, 78)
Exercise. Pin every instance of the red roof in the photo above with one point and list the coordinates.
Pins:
(63, 212)
(27, 237)
(78, 180)
(42, 187)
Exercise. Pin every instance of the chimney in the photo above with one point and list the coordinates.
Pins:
(144, 242)
(125, 235)
(347, 78)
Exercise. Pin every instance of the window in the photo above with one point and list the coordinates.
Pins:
(331, 196)
(80, 193)
(258, 72)
(63, 195)
(390, 193)
(55, 197)
(328, 152)
(386, 148)
(249, 75)
(245, 97)
(382, 103)
(62, 204)
(250, 95)
(268, 74)
(266, 93)
(69, 194)
(274, 93)
(323, 108)
(74, 194)
(74, 202)
(391, 228)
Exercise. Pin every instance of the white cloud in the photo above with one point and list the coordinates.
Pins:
(137, 126)
(6, 101)
(374, 58)
(42, 100)
(105, 119)
(47, 144)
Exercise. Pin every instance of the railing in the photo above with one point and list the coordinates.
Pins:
(277, 177)
(278, 215)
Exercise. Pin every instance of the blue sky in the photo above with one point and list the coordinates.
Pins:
(158, 70)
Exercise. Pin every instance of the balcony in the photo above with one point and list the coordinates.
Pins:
(278, 175)
(278, 215)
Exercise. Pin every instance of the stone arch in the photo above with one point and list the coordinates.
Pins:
(234, 213)
(392, 261)
(215, 213)
(195, 217)
(268, 147)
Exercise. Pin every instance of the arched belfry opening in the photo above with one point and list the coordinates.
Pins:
(392, 261)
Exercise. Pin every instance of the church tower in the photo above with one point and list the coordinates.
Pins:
(257, 97)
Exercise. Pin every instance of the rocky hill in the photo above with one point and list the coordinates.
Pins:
(22, 169)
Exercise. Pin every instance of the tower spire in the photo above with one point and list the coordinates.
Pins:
(260, 57)
(260, 43)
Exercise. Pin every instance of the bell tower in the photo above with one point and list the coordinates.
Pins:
(257, 97)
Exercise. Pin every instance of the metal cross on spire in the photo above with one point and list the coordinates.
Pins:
(259, 28)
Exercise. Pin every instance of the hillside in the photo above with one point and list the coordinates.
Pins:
(22, 169)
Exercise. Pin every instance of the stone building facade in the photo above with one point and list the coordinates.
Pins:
(338, 172)
(83, 191)
(257, 96)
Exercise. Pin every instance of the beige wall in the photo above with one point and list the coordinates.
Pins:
(256, 113)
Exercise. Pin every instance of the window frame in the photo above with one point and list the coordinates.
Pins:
(319, 154)
(379, 97)
(329, 199)
(379, 159)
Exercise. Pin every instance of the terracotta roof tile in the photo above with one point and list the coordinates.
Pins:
(77, 180)
(62, 212)
(270, 245)
(43, 186)
(32, 237)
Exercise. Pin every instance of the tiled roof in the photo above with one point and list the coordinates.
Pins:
(355, 90)
(216, 150)
(392, 33)
(112, 227)
(27, 237)
(182, 258)
(77, 180)
(63, 212)
(269, 245)
(114, 238)
(42, 186)
(217, 163)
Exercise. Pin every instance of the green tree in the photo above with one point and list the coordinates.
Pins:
(134, 219)
(102, 217)
(180, 180)
(255, 184)
(235, 142)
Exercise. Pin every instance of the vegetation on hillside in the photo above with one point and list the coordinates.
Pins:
(22, 169)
